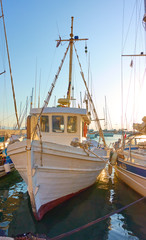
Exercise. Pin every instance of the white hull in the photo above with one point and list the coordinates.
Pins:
(133, 180)
(57, 171)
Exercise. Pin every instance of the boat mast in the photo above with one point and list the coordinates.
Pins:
(70, 62)
(105, 125)
(10, 68)
(71, 43)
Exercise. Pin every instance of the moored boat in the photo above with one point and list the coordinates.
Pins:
(130, 161)
(108, 133)
(6, 164)
(56, 160)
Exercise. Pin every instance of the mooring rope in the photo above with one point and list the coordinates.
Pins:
(28, 236)
(95, 221)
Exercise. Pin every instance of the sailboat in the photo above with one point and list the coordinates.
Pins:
(106, 132)
(129, 160)
(6, 164)
(56, 161)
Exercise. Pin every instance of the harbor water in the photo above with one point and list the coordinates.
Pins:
(106, 196)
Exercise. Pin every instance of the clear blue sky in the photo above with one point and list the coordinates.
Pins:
(32, 28)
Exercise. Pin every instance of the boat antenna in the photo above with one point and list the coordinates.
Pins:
(10, 67)
(35, 85)
(39, 90)
(31, 99)
(105, 114)
(81, 99)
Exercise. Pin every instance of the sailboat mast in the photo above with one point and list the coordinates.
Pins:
(144, 18)
(70, 62)
(105, 114)
(10, 68)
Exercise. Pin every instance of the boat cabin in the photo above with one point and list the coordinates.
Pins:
(59, 124)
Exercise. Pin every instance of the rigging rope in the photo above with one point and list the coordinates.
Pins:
(134, 109)
(53, 84)
(91, 101)
(46, 101)
(47, 82)
(124, 41)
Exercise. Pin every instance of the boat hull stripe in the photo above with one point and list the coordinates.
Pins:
(133, 169)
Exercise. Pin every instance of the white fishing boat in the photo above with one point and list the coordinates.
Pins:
(56, 161)
(106, 131)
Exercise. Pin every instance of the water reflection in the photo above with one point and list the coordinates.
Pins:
(105, 196)
(12, 189)
(134, 217)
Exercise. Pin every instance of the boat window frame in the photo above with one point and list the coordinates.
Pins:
(82, 128)
(76, 125)
(47, 128)
(58, 130)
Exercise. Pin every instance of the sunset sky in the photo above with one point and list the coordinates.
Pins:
(113, 28)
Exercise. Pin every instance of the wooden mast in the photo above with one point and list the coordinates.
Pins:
(10, 68)
(71, 40)
(70, 62)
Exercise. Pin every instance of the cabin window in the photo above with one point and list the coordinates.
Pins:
(71, 124)
(44, 123)
(58, 124)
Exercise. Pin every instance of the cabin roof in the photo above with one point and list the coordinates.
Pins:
(62, 110)
(80, 111)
